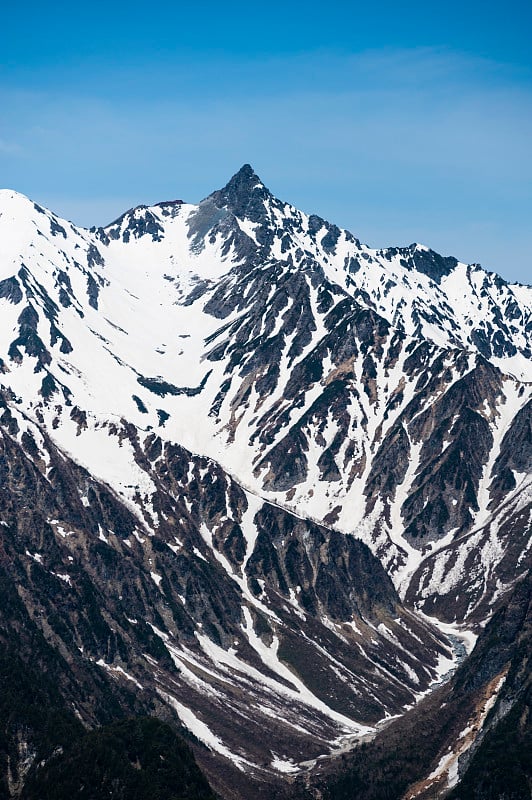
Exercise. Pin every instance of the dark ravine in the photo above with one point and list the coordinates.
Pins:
(489, 729)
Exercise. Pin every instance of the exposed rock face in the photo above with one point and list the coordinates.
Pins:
(240, 451)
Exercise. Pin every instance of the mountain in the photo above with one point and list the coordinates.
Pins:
(255, 474)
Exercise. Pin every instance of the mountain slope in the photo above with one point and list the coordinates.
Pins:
(229, 613)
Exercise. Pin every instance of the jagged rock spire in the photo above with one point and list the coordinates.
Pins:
(244, 195)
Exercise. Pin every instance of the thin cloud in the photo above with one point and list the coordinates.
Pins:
(10, 148)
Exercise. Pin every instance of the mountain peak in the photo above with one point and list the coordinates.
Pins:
(244, 195)
(245, 177)
(16, 202)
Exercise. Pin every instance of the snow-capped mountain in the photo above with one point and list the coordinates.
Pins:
(238, 423)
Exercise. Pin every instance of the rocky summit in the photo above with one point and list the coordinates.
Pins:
(261, 486)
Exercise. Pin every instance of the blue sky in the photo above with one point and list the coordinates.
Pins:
(401, 121)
